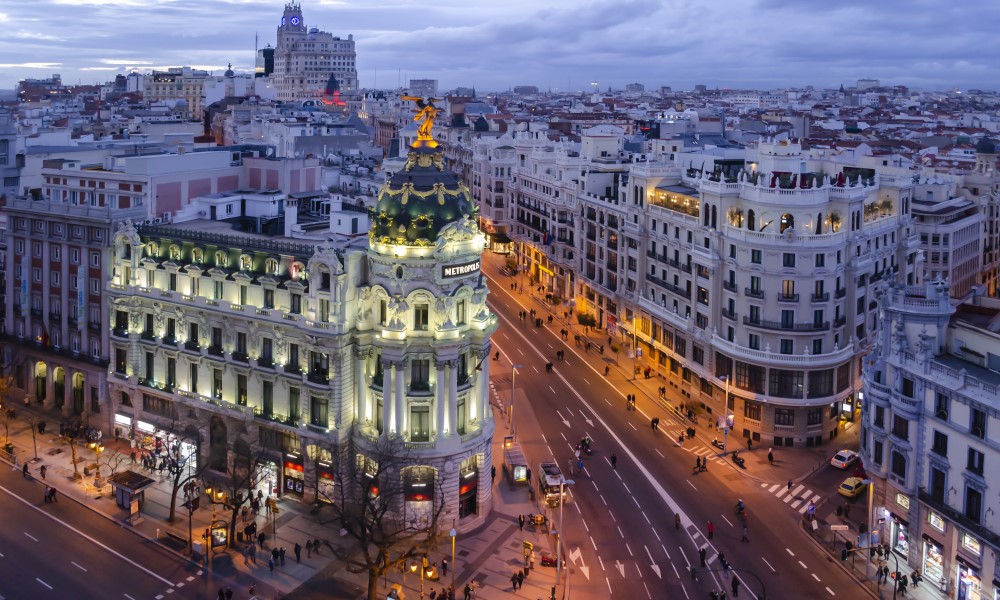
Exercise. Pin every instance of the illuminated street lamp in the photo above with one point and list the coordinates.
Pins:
(454, 568)
(563, 482)
(513, 379)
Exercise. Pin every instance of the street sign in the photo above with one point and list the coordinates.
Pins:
(839, 527)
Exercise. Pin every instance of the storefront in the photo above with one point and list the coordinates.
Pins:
(468, 485)
(932, 563)
(968, 576)
(325, 491)
(899, 536)
(295, 474)
(418, 495)
(123, 423)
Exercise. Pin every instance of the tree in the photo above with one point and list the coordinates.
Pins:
(34, 421)
(369, 505)
(241, 475)
(184, 470)
(112, 459)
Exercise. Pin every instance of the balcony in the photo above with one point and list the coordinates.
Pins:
(148, 335)
(839, 321)
(977, 529)
(752, 293)
(821, 297)
(319, 377)
(731, 315)
(121, 332)
(258, 413)
(293, 367)
(94, 326)
(669, 286)
(781, 326)
(191, 345)
(788, 297)
(840, 293)
(240, 356)
(730, 286)
(265, 361)
(55, 317)
(686, 267)
(215, 350)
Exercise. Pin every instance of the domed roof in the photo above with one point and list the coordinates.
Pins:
(986, 146)
(420, 200)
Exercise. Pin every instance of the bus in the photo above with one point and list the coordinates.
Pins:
(549, 480)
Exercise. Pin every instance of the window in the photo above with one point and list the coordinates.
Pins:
(755, 284)
(268, 298)
(420, 370)
(217, 292)
(878, 451)
(296, 304)
(267, 398)
(266, 352)
(241, 389)
(171, 372)
(820, 260)
(318, 411)
(293, 358)
(193, 379)
(95, 259)
(241, 343)
(879, 419)
(150, 366)
(243, 294)
(788, 319)
(217, 383)
(698, 354)
(940, 445)
(973, 509)
(814, 416)
(754, 341)
(172, 282)
(898, 466)
(817, 346)
(978, 424)
(788, 259)
(907, 387)
(420, 317)
(460, 312)
(121, 360)
(900, 427)
(755, 257)
(784, 416)
(787, 346)
(786, 384)
(975, 462)
(942, 405)
(294, 411)
(420, 423)
(752, 410)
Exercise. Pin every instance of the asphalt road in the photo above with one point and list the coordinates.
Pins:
(64, 550)
(619, 530)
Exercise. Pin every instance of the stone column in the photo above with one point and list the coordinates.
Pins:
(386, 395)
(439, 400)
(483, 391)
(453, 396)
(361, 386)
(399, 401)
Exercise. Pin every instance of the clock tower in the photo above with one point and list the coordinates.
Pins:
(305, 59)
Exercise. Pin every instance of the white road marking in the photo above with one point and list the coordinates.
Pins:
(31, 536)
(726, 520)
(190, 578)
(647, 518)
(604, 501)
(85, 536)
(658, 537)
(814, 576)
(803, 565)
(660, 453)
(43, 583)
(78, 566)
(831, 592)
(788, 550)
(691, 484)
(629, 548)
(772, 488)
(129, 597)
(768, 564)
(585, 381)
(610, 591)
(593, 543)
(553, 391)
(620, 533)
(648, 595)
(633, 427)
(608, 401)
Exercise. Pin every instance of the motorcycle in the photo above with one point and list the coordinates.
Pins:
(717, 444)
(585, 446)
(738, 460)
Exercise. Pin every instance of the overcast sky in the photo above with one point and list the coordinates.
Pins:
(558, 44)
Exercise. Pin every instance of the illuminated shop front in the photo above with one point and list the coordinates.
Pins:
(295, 474)
(968, 577)
(468, 486)
(418, 495)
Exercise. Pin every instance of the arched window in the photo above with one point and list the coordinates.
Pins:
(298, 270)
(175, 252)
(198, 255)
(787, 221)
(708, 215)
(152, 249)
(819, 223)
(715, 217)
(271, 266)
(221, 260)
(751, 220)
(246, 263)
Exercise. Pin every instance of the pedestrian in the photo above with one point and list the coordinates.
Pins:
(467, 592)
(513, 581)
(229, 593)
(520, 579)
(749, 444)
(270, 564)
(677, 521)
(493, 473)
(701, 556)
(903, 582)
(811, 511)
(736, 587)
(221, 595)
(309, 549)
(297, 548)
(531, 559)
(847, 510)
(520, 525)
(42, 471)
(789, 485)
(725, 567)
(46, 496)
(281, 555)
(607, 370)
(444, 562)
(745, 538)
(316, 546)
(711, 530)
(614, 460)
(497, 355)
(770, 457)
(434, 594)
(261, 537)
(24, 471)
(697, 464)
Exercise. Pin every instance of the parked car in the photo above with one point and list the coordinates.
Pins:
(852, 487)
(844, 459)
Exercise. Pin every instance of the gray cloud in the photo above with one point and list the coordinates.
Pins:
(549, 43)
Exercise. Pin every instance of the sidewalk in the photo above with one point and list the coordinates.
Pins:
(487, 555)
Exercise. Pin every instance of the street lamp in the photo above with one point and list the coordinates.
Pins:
(453, 533)
(423, 568)
(563, 482)
(635, 346)
(513, 379)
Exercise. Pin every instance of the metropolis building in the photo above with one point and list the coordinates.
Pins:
(292, 347)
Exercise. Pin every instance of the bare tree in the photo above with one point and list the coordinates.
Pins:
(369, 506)
(241, 475)
(184, 470)
(34, 423)
(112, 459)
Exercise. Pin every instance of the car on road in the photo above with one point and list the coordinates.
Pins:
(852, 487)
(844, 459)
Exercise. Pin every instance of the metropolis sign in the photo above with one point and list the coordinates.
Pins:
(448, 271)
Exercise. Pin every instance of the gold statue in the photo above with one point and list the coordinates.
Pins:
(425, 114)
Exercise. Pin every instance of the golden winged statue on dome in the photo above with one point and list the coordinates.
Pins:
(426, 112)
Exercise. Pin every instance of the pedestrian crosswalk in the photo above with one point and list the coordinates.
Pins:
(798, 498)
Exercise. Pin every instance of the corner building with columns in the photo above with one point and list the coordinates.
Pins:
(293, 346)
